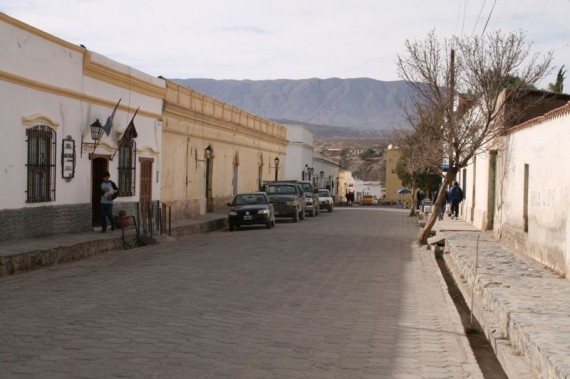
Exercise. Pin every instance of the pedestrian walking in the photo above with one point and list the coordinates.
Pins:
(109, 189)
(419, 197)
(455, 197)
(350, 198)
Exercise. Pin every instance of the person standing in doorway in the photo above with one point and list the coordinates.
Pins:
(455, 197)
(109, 190)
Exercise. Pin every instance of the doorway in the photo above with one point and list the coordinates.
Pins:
(99, 166)
(146, 191)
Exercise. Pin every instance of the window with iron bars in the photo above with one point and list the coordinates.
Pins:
(127, 168)
(41, 164)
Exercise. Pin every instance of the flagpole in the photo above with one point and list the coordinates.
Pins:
(110, 118)
(126, 131)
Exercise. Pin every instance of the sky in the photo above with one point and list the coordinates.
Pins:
(285, 39)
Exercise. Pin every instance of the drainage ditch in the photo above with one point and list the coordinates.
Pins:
(482, 349)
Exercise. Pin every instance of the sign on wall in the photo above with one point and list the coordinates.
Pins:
(68, 159)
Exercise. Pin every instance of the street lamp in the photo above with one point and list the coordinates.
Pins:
(276, 161)
(96, 130)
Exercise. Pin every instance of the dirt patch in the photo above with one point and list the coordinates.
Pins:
(484, 353)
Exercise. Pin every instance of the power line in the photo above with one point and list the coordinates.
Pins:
(479, 16)
(488, 18)
(464, 15)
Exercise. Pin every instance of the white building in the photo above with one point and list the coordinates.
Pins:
(368, 187)
(299, 152)
(518, 189)
(52, 92)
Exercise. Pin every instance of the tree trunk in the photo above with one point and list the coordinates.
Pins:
(426, 230)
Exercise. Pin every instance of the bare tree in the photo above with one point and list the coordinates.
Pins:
(464, 81)
(421, 149)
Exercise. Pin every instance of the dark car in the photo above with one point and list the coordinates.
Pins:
(287, 198)
(251, 208)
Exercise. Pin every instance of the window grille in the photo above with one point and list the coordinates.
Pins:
(127, 168)
(41, 164)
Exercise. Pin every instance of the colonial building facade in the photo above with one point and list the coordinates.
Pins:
(52, 93)
(68, 115)
(213, 150)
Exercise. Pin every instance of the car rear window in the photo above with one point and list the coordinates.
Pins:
(280, 190)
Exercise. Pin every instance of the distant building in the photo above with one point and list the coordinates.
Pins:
(393, 183)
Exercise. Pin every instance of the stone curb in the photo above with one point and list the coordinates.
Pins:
(41, 256)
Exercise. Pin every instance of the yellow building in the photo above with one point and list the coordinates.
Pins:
(212, 150)
(392, 154)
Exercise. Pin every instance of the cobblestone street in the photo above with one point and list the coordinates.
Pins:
(342, 295)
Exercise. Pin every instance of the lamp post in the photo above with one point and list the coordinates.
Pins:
(276, 161)
(208, 158)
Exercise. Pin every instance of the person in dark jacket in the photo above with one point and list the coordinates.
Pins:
(455, 197)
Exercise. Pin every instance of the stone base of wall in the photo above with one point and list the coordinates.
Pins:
(221, 204)
(17, 263)
(44, 221)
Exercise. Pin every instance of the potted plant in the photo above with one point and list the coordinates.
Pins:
(121, 220)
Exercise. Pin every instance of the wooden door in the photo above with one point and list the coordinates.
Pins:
(146, 191)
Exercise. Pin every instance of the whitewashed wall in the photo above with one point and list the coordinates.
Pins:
(543, 145)
(299, 151)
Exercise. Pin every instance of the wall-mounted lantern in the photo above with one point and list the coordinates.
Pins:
(96, 133)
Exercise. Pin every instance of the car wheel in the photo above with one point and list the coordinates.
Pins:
(232, 227)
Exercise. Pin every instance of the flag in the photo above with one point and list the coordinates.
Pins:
(131, 131)
(109, 124)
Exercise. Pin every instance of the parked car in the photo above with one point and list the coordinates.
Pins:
(251, 208)
(311, 196)
(367, 200)
(287, 198)
(325, 199)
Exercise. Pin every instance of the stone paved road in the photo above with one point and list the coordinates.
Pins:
(342, 295)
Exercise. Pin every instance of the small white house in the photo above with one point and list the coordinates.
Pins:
(53, 93)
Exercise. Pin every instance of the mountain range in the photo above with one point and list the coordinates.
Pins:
(329, 108)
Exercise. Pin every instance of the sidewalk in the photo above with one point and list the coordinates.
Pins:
(17, 256)
(523, 307)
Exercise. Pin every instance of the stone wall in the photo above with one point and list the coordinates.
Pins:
(43, 221)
